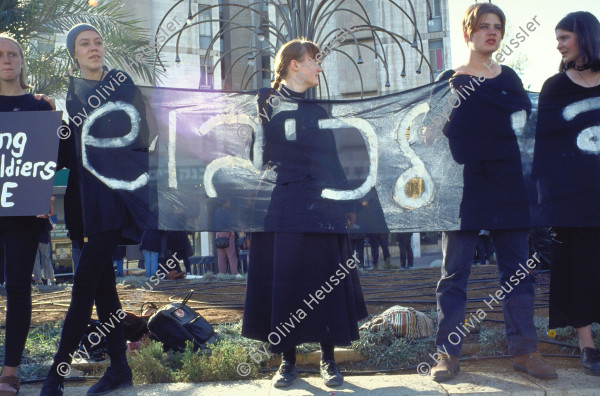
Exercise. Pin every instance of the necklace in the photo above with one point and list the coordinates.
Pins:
(586, 81)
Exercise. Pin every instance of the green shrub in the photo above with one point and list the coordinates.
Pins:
(220, 364)
(384, 350)
(492, 341)
(151, 365)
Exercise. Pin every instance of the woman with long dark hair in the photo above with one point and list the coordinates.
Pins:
(302, 286)
(98, 212)
(19, 235)
(567, 169)
(481, 137)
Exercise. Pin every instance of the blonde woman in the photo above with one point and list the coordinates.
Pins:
(18, 235)
(302, 287)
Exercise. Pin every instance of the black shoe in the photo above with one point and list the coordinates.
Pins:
(590, 361)
(53, 386)
(285, 376)
(111, 380)
(330, 373)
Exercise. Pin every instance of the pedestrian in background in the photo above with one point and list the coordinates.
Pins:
(406, 253)
(223, 221)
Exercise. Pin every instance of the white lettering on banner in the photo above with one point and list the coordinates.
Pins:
(5, 194)
(172, 147)
(214, 166)
(417, 170)
(113, 142)
(18, 141)
(12, 165)
(370, 137)
(229, 162)
(290, 129)
(588, 140)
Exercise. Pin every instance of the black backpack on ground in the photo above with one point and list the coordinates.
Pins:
(174, 324)
(94, 345)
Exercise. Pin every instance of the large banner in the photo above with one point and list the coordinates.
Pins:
(377, 165)
(28, 151)
(399, 174)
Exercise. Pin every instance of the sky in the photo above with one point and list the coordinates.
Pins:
(539, 47)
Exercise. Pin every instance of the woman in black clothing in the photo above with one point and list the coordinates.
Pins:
(106, 218)
(302, 287)
(567, 168)
(19, 236)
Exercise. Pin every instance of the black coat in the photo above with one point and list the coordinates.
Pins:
(178, 241)
(288, 268)
(151, 240)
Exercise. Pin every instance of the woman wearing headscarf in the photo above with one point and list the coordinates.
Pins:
(104, 118)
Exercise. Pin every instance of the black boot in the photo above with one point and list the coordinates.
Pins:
(330, 373)
(53, 386)
(111, 380)
(286, 375)
(590, 361)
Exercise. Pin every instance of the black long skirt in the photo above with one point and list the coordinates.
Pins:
(575, 277)
(302, 287)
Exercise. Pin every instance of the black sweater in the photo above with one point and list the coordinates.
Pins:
(566, 161)
(481, 136)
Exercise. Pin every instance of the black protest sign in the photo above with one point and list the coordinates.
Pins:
(28, 151)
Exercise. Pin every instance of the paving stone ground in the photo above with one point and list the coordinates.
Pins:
(475, 379)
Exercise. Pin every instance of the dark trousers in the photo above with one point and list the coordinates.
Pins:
(20, 248)
(358, 245)
(94, 283)
(517, 299)
(406, 252)
(182, 255)
(376, 241)
(75, 253)
(484, 249)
